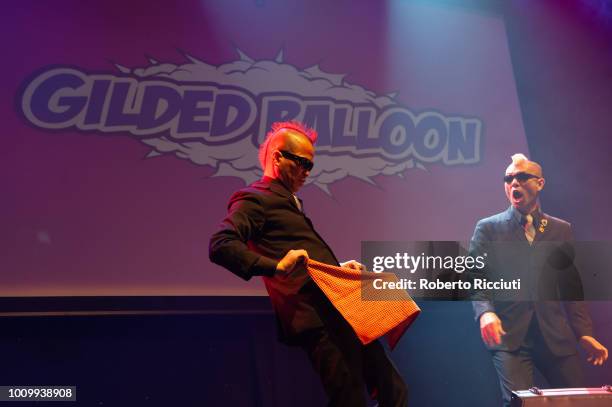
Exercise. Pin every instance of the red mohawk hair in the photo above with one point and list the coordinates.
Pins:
(294, 125)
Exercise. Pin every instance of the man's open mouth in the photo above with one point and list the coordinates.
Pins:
(517, 194)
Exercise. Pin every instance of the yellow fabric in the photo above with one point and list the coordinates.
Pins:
(371, 312)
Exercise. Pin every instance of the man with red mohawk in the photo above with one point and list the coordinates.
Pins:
(266, 233)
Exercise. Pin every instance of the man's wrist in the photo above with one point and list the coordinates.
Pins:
(265, 266)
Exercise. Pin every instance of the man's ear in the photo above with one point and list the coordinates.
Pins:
(541, 183)
(276, 156)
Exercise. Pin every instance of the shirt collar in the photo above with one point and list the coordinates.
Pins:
(518, 216)
(276, 185)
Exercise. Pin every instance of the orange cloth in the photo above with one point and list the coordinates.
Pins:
(371, 312)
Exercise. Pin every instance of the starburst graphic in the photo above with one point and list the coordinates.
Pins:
(217, 116)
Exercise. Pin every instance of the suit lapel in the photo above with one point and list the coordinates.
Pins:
(278, 188)
(515, 226)
(542, 228)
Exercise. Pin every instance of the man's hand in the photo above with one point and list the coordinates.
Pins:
(491, 329)
(598, 353)
(353, 264)
(292, 261)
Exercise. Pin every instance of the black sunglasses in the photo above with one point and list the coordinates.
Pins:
(305, 163)
(520, 177)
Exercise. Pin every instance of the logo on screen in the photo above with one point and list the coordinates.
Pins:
(217, 115)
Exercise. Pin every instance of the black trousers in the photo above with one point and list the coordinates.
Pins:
(347, 368)
(515, 369)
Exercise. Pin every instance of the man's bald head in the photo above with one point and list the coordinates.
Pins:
(287, 154)
(284, 136)
(520, 163)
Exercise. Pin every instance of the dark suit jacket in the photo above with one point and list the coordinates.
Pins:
(546, 270)
(263, 223)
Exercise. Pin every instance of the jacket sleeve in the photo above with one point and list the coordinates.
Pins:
(481, 301)
(579, 318)
(577, 311)
(229, 248)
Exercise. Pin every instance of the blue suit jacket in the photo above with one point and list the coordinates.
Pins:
(547, 274)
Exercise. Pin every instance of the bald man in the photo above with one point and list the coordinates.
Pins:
(266, 233)
(530, 333)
